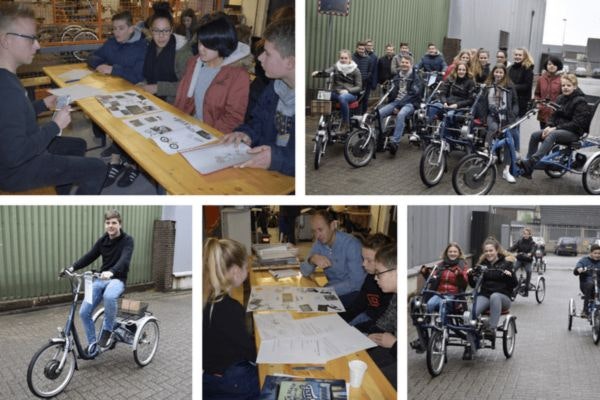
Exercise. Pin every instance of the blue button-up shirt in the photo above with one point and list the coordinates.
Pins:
(346, 274)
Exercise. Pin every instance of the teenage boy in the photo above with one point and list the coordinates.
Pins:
(366, 67)
(271, 130)
(33, 156)
(116, 248)
(338, 254)
(371, 301)
(583, 268)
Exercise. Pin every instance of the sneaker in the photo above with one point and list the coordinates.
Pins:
(92, 350)
(508, 177)
(414, 138)
(113, 173)
(128, 177)
(110, 150)
(393, 148)
(105, 339)
(417, 346)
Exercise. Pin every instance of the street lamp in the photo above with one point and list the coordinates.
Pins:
(564, 31)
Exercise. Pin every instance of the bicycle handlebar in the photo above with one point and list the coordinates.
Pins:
(73, 274)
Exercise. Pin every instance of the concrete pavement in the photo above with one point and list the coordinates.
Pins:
(549, 362)
(113, 375)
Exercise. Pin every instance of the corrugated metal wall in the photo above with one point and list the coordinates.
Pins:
(414, 21)
(37, 241)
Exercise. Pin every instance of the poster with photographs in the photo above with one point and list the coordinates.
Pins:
(127, 104)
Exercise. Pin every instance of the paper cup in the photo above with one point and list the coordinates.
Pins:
(357, 372)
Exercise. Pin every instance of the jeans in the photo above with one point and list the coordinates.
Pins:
(559, 136)
(496, 303)
(62, 165)
(406, 111)
(359, 319)
(239, 382)
(527, 266)
(344, 100)
(109, 290)
(438, 109)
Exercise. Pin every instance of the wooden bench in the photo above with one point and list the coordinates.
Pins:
(48, 190)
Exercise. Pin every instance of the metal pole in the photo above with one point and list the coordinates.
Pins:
(329, 41)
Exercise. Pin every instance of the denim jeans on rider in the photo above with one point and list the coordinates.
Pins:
(559, 136)
(108, 290)
(344, 100)
(496, 303)
(438, 109)
(405, 112)
(239, 382)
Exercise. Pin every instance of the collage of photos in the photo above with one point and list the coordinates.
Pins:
(170, 230)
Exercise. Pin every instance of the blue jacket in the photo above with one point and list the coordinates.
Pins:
(586, 262)
(127, 59)
(346, 274)
(366, 66)
(413, 93)
(262, 129)
(432, 63)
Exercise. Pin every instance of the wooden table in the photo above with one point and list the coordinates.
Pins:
(172, 172)
(375, 385)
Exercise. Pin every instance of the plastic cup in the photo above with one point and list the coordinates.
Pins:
(357, 372)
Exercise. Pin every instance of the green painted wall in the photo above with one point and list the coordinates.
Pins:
(36, 242)
(385, 21)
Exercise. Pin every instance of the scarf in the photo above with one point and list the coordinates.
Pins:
(346, 69)
(160, 67)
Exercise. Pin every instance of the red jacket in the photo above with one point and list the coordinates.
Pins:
(548, 87)
(452, 279)
(225, 101)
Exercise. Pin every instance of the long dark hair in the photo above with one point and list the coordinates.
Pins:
(218, 34)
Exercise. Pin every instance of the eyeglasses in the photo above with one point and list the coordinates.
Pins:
(32, 38)
(160, 32)
(383, 272)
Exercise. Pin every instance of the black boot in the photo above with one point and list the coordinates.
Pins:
(526, 288)
(527, 166)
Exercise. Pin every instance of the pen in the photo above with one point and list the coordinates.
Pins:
(308, 368)
(72, 80)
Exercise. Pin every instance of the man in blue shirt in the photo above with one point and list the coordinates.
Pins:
(338, 254)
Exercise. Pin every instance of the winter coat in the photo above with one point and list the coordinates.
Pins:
(547, 88)
(432, 63)
(126, 59)
(384, 68)
(522, 78)
(450, 277)
(525, 246)
(413, 92)
(494, 278)
(459, 92)
(366, 67)
(512, 109)
(351, 82)
(586, 262)
(574, 114)
(485, 72)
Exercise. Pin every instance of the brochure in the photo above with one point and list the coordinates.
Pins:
(292, 388)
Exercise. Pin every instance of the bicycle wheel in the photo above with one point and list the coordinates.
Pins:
(509, 338)
(596, 327)
(432, 165)
(359, 148)
(540, 290)
(69, 32)
(84, 34)
(571, 313)
(147, 343)
(466, 179)
(318, 150)
(591, 176)
(44, 377)
(436, 353)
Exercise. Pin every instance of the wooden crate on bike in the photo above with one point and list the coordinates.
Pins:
(320, 107)
(132, 307)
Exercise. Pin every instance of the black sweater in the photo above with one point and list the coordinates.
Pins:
(370, 300)
(116, 255)
(22, 139)
(574, 114)
(225, 340)
(525, 246)
(494, 278)
(459, 92)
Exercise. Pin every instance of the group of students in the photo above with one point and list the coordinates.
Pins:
(507, 93)
(204, 73)
(229, 353)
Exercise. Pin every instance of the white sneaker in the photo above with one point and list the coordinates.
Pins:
(414, 138)
(508, 177)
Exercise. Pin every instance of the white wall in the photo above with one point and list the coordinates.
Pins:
(182, 215)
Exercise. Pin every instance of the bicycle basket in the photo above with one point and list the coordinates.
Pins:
(132, 307)
(320, 107)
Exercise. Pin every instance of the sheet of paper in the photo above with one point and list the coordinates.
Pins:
(78, 92)
(211, 158)
(75, 75)
(292, 298)
(309, 340)
(127, 104)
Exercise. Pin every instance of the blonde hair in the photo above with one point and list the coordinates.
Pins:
(527, 59)
(454, 73)
(571, 78)
(505, 80)
(501, 252)
(476, 67)
(219, 255)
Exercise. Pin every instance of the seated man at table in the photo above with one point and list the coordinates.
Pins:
(338, 254)
(122, 55)
(33, 156)
(270, 131)
(385, 330)
(371, 302)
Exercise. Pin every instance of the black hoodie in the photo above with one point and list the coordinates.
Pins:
(574, 114)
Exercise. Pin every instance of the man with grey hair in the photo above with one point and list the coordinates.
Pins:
(271, 130)
(33, 156)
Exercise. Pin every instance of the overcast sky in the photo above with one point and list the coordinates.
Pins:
(583, 21)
